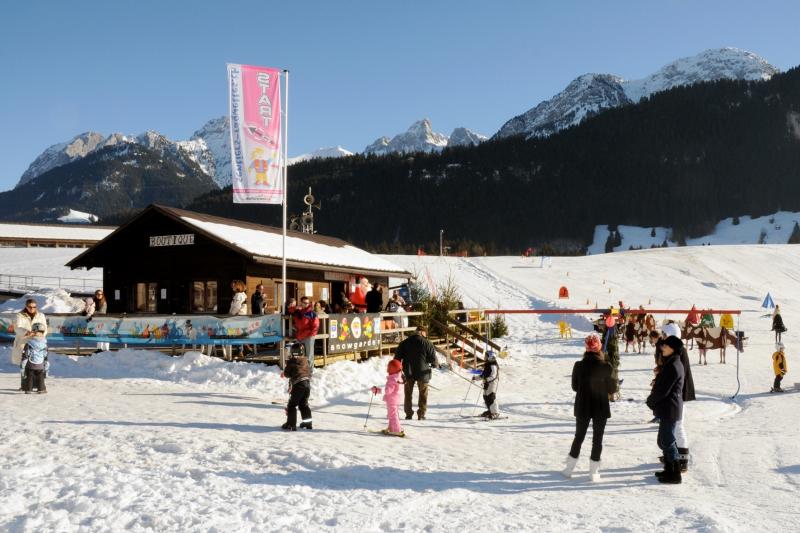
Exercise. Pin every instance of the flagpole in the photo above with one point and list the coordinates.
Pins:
(285, 161)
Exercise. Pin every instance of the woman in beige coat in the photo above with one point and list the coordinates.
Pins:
(23, 327)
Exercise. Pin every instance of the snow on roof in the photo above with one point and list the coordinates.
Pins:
(53, 232)
(308, 249)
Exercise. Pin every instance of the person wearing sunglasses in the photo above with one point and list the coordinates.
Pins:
(23, 329)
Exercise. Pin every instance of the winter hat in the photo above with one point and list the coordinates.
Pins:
(490, 356)
(672, 330)
(37, 327)
(674, 342)
(394, 367)
(592, 343)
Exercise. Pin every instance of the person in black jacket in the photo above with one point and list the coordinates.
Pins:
(592, 383)
(681, 440)
(374, 299)
(418, 356)
(299, 375)
(777, 324)
(666, 401)
(257, 301)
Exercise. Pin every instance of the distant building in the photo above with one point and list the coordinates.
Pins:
(23, 235)
(167, 260)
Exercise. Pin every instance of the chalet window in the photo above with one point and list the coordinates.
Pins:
(146, 297)
(204, 297)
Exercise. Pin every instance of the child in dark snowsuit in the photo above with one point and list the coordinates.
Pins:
(299, 375)
(491, 378)
(34, 364)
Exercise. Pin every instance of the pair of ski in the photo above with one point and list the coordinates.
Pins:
(387, 432)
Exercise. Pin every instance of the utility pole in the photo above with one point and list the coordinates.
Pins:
(441, 237)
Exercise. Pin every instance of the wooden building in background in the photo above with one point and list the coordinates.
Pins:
(168, 260)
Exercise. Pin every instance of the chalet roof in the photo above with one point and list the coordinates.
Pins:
(55, 232)
(264, 244)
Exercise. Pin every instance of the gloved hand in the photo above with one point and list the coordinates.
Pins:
(376, 390)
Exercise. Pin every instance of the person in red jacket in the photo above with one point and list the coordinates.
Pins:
(306, 326)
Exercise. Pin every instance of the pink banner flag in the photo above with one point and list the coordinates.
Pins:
(256, 143)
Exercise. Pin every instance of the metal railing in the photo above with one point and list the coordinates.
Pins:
(21, 282)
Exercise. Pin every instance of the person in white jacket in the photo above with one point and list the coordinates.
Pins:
(23, 329)
(238, 308)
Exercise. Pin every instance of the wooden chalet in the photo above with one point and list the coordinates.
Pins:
(168, 260)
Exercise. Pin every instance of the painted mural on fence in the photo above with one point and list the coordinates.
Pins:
(354, 333)
(157, 330)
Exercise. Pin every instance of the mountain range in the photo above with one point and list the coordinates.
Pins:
(205, 156)
(590, 94)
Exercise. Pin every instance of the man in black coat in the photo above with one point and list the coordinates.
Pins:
(418, 357)
(666, 401)
(257, 301)
(374, 299)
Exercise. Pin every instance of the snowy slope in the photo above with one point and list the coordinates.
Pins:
(769, 229)
(591, 93)
(78, 217)
(140, 441)
(321, 153)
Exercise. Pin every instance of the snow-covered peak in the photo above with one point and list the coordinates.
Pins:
(61, 154)
(321, 153)
(585, 96)
(465, 137)
(378, 147)
(592, 93)
(215, 134)
(714, 64)
(420, 137)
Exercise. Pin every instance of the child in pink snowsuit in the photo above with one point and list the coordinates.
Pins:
(393, 394)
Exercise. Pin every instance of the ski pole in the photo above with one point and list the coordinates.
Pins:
(368, 410)
(476, 402)
(461, 411)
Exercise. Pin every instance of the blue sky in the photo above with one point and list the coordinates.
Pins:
(359, 70)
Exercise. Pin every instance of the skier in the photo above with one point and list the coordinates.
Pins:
(393, 396)
(592, 383)
(34, 364)
(491, 378)
(300, 389)
(666, 401)
(779, 366)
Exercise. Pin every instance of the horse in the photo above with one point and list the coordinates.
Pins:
(712, 339)
(636, 333)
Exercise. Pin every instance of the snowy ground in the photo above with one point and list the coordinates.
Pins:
(144, 442)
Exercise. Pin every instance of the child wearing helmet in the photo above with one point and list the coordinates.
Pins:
(34, 364)
(779, 366)
(393, 395)
(491, 378)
